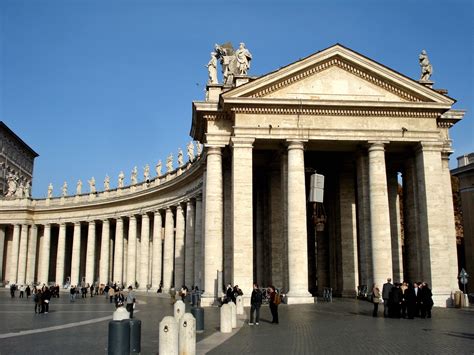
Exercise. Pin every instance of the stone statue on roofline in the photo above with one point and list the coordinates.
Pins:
(19, 190)
(121, 177)
(233, 63)
(180, 158)
(212, 69)
(64, 189)
(79, 187)
(190, 149)
(91, 182)
(133, 178)
(28, 189)
(107, 183)
(12, 185)
(158, 168)
(50, 190)
(169, 163)
(199, 148)
(426, 67)
(146, 172)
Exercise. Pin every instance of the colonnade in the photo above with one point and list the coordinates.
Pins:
(149, 248)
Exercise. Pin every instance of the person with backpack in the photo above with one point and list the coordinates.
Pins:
(255, 303)
(275, 300)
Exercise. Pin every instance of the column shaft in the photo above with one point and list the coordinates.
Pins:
(118, 256)
(168, 250)
(61, 255)
(31, 261)
(76, 254)
(395, 227)
(104, 253)
(43, 276)
(242, 214)
(189, 248)
(157, 250)
(297, 232)
(379, 214)
(2, 248)
(145, 251)
(179, 247)
(13, 262)
(22, 255)
(198, 265)
(90, 260)
(213, 232)
(132, 252)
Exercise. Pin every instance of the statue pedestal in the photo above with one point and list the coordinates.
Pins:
(241, 80)
(427, 83)
(213, 91)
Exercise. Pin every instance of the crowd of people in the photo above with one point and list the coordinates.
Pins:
(403, 300)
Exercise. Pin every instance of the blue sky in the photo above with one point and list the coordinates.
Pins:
(96, 87)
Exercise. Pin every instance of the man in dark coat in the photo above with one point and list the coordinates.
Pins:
(410, 299)
(395, 301)
(387, 287)
(255, 303)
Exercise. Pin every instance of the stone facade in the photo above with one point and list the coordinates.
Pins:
(238, 213)
(465, 174)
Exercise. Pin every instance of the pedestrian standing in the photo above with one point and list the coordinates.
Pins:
(255, 303)
(72, 294)
(387, 287)
(111, 294)
(426, 301)
(375, 299)
(37, 299)
(28, 291)
(46, 299)
(130, 301)
(274, 302)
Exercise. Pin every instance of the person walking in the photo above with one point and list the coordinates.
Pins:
(426, 301)
(46, 299)
(387, 287)
(37, 299)
(130, 301)
(255, 303)
(375, 299)
(274, 302)
(72, 294)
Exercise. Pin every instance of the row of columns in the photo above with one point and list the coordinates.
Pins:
(131, 259)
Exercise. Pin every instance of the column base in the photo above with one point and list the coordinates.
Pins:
(444, 300)
(208, 301)
(300, 299)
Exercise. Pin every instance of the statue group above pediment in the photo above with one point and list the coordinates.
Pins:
(233, 63)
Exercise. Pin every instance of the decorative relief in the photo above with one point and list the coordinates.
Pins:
(334, 112)
(345, 66)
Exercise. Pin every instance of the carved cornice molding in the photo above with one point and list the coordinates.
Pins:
(214, 116)
(337, 61)
(335, 112)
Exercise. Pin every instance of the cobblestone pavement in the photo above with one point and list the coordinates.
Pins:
(344, 326)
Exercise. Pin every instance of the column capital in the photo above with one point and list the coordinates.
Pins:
(296, 143)
(77, 223)
(132, 217)
(105, 220)
(429, 147)
(145, 214)
(242, 142)
(376, 145)
(213, 149)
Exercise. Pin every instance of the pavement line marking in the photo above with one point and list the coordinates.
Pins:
(56, 327)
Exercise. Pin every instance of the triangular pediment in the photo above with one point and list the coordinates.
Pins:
(338, 74)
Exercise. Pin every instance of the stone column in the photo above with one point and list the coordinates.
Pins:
(198, 271)
(451, 247)
(43, 273)
(31, 262)
(76, 254)
(213, 232)
(61, 255)
(132, 251)
(189, 244)
(2, 248)
(22, 255)
(297, 232)
(395, 227)
(379, 214)
(90, 259)
(168, 251)
(104, 253)
(13, 267)
(118, 256)
(411, 221)
(145, 250)
(436, 254)
(157, 250)
(363, 219)
(276, 228)
(348, 225)
(179, 248)
(242, 210)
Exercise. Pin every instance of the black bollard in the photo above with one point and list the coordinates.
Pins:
(135, 336)
(198, 313)
(119, 337)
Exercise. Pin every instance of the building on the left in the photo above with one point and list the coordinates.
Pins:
(16, 160)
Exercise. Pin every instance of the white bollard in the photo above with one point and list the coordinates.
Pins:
(226, 319)
(240, 305)
(179, 309)
(168, 336)
(187, 335)
(120, 313)
(233, 309)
